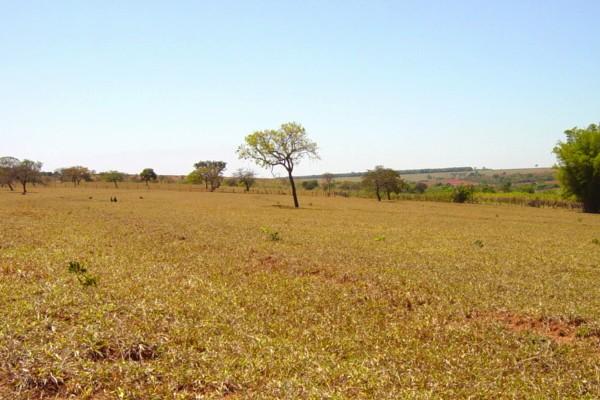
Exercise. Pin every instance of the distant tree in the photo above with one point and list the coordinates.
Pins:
(285, 147)
(74, 174)
(232, 181)
(211, 172)
(148, 175)
(310, 184)
(420, 187)
(112, 176)
(392, 183)
(7, 171)
(328, 183)
(28, 171)
(245, 177)
(384, 180)
(195, 177)
(579, 166)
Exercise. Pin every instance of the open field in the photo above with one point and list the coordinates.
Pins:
(214, 295)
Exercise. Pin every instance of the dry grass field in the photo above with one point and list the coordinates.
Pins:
(215, 295)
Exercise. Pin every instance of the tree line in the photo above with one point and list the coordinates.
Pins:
(578, 167)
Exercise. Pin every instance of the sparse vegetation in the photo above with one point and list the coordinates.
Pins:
(379, 308)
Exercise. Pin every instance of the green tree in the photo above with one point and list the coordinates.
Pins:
(7, 171)
(284, 147)
(28, 171)
(148, 175)
(195, 177)
(384, 180)
(112, 176)
(245, 177)
(74, 174)
(211, 173)
(579, 166)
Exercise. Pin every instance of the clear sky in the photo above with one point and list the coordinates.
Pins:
(131, 84)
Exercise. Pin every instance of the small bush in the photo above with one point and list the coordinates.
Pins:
(462, 194)
(75, 267)
(271, 234)
(310, 185)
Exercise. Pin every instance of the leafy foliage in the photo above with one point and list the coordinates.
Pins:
(310, 184)
(211, 173)
(462, 193)
(579, 166)
(384, 180)
(113, 176)
(148, 175)
(284, 147)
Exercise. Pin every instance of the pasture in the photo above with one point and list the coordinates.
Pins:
(193, 295)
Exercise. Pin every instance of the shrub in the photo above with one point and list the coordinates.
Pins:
(462, 194)
(310, 185)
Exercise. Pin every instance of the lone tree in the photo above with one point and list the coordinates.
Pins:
(148, 175)
(28, 171)
(75, 174)
(245, 177)
(328, 183)
(211, 173)
(381, 180)
(579, 166)
(7, 171)
(113, 176)
(285, 147)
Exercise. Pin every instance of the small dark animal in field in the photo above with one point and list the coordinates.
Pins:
(113, 199)
(141, 197)
(90, 197)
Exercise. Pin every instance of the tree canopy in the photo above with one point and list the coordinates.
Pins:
(148, 175)
(381, 180)
(211, 173)
(7, 171)
(579, 166)
(113, 176)
(245, 177)
(284, 147)
(74, 174)
(28, 171)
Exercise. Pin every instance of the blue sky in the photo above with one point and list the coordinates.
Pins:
(133, 84)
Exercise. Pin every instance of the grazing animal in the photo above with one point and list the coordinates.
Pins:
(113, 199)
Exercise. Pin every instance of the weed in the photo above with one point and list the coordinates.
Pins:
(75, 267)
(271, 234)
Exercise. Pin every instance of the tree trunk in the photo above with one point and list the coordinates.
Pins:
(294, 194)
(10, 186)
(377, 193)
(24, 183)
(116, 186)
(388, 195)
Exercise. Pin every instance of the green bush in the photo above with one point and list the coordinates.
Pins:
(462, 194)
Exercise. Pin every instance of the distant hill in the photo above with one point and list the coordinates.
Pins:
(401, 172)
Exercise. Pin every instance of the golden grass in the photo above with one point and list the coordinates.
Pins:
(195, 298)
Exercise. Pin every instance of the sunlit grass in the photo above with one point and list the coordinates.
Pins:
(206, 295)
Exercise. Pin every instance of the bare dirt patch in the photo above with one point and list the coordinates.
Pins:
(559, 330)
